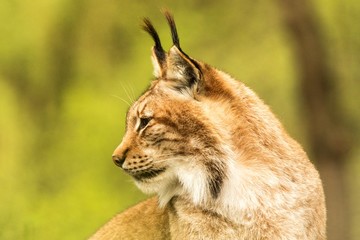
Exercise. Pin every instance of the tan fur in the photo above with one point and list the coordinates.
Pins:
(143, 221)
(219, 161)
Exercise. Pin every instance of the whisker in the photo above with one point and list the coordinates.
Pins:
(127, 103)
(132, 92)
(131, 99)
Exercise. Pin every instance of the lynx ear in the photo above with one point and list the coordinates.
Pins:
(176, 67)
(181, 69)
(180, 66)
(158, 56)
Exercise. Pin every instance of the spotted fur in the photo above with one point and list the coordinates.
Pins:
(219, 161)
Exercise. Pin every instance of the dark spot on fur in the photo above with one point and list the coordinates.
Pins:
(180, 153)
(171, 206)
(216, 172)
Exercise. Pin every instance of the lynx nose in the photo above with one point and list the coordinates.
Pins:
(119, 156)
(119, 161)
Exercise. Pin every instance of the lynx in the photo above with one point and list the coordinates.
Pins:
(218, 160)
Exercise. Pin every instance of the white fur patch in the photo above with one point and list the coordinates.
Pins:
(194, 181)
(157, 68)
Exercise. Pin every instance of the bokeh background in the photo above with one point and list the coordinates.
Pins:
(69, 69)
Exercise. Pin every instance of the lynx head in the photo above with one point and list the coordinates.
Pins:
(178, 133)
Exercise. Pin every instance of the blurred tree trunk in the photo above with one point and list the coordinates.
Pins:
(327, 134)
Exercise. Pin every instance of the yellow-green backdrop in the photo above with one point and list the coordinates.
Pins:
(69, 69)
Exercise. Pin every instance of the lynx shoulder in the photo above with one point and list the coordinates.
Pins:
(218, 160)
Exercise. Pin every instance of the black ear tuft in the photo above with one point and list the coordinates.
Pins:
(158, 50)
(174, 34)
(176, 66)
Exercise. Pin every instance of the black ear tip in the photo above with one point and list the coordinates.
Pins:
(170, 19)
(167, 13)
(146, 23)
(148, 27)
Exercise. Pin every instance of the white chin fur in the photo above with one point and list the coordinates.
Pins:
(164, 185)
(184, 180)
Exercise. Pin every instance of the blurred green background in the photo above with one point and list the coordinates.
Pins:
(67, 69)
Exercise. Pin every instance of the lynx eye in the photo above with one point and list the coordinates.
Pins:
(144, 122)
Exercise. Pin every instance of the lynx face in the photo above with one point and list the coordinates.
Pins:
(172, 146)
(167, 138)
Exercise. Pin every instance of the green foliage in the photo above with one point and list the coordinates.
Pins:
(69, 70)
